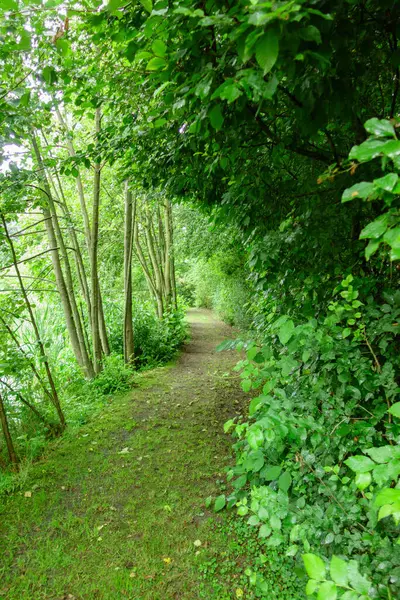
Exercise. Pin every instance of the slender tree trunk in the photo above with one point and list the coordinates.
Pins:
(66, 292)
(156, 270)
(85, 359)
(129, 350)
(25, 401)
(168, 254)
(7, 435)
(54, 394)
(88, 236)
(93, 258)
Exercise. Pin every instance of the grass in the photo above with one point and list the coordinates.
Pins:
(115, 509)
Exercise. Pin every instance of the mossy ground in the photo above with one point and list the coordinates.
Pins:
(114, 510)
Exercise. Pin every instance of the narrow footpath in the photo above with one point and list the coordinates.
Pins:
(117, 511)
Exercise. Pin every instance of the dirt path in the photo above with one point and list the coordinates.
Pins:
(117, 511)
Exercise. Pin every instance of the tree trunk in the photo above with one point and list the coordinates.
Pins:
(66, 291)
(54, 394)
(93, 258)
(88, 235)
(7, 435)
(129, 350)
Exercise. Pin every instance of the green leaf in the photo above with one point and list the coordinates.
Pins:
(360, 464)
(311, 587)
(286, 331)
(392, 237)
(267, 50)
(375, 229)
(380, 127)
(363, 480)
(387, 183)
(327, 591)
(395, 410)
(216, 117)
(349, 596)
(159, 48)
(359, 190)
(367, 150)
(6, 5)
(156, 63)
(230, 93)
(147, 4)
(246, 385)
(114, 5)
(265, 531)
(255, 437)
(338, 570)
(310, 34)
(275, 523)
(357, 581)
(383, 454)
(285, 481)
(387, 496)
(315, 566)
(272, 473)
(49, 75)
(219, 503)
(371, 248)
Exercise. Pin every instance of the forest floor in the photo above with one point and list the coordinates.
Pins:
(117, 511)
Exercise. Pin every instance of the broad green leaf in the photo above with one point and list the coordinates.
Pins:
(272, 473)
(6, 5)
(363, 480)
(311, 587)
(216, 117)
(360, 464)
(380, 127)
(267, 50)
(286, 331)
(375, 229)
(219, 503)
(371, 248)
(338, 571)
(159, 48)
(156, 63)
(246, 385)
(392, 237)
(387, 496)
(315, 566)
(387, 183)
(357, 581)
(367, 150)
(285, 481)
(359, 190)
(350, 596)
(275, 523)
(310, 34)
(147, 4)
(395, 410)
(383, 454)
(255, 437)
(113, 5)
(265, 531)
(327, 591)
(230, 93)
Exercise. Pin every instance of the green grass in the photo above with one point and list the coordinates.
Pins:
(115, 506)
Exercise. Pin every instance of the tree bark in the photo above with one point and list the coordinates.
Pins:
(88, 235)
(130, 208)
(7, 435)
(97, 354)
(54, 394)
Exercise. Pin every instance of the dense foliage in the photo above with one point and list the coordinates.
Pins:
(279, 120)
